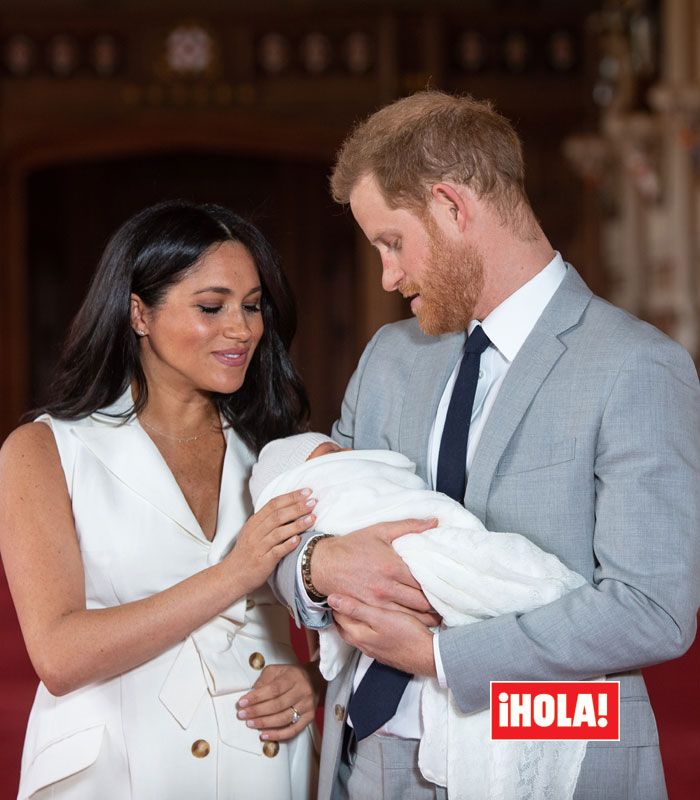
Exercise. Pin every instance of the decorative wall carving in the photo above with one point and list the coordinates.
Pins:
(60, 55)
(644, 161)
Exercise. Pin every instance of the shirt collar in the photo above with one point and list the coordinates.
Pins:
(510, 323)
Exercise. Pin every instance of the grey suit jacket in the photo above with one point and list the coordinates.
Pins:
(592, 450)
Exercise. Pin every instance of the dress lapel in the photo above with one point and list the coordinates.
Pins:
(126, 450)
(530, 368)
(132, 458)
(235, 505)
(434, 362)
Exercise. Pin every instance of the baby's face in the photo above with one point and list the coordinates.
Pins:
(325, 449)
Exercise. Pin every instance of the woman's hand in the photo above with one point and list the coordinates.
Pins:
(270, 535)
(278, 692)
(71, 645)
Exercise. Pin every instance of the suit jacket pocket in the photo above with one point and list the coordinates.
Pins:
(61, 758)
(637, 725)
(533, 453)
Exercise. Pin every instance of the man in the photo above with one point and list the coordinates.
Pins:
(562, 418)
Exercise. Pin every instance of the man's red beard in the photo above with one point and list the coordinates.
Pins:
(452, 283)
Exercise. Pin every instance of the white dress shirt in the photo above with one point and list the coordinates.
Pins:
(507, 326)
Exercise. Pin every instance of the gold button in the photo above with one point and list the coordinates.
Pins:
(249, 603)
(339, 712)
(271, 749)
(200, 749)
(257, 660)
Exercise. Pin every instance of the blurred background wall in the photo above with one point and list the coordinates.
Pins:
(107, 106)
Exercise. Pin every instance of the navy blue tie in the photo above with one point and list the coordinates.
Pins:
(376, 698)
(452, 461)
(379, 692)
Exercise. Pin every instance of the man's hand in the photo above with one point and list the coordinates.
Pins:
(392, 637)
(365, 566)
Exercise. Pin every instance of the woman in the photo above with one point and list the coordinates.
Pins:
(139, 584)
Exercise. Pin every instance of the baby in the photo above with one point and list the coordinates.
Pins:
(466, 572)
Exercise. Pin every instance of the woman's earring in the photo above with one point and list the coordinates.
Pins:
(141, 333)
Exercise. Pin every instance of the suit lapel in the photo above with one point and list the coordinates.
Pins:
(530, 368)
(432, 367)
(522, 382)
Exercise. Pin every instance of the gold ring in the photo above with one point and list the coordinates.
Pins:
(296, 716)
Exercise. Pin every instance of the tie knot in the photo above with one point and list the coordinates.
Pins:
(477, 341)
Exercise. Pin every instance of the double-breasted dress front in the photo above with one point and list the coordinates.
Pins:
(167, 728)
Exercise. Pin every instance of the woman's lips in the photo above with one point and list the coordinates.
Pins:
(231, 358)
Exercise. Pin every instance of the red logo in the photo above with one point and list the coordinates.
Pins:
(555, 710)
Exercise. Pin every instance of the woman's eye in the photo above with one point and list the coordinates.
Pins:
(395, 245)
(252, 308)
(210, 309)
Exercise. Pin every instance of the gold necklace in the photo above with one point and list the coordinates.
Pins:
(179, 439)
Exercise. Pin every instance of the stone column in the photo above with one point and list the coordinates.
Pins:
(673, 301)
(635, 138)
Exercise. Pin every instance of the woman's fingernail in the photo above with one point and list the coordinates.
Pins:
(250, 723)
(306, 492)
(242, 714)
(311, 503)
(242, 703)
(264, 736)
(308, 520)
(294, 539)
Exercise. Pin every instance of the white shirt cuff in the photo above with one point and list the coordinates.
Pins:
(315, 610)
(442, 680)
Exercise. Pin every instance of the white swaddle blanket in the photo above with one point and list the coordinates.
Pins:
(468, 574)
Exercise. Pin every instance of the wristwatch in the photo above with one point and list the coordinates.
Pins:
(314, 595)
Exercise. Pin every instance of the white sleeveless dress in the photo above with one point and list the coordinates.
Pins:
(166, 730)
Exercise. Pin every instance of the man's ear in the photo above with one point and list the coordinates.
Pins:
(453, 205)
(137, 310)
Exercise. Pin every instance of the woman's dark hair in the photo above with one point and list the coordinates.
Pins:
(152, 251)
